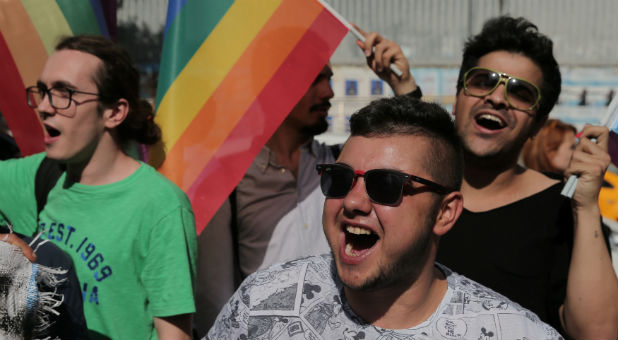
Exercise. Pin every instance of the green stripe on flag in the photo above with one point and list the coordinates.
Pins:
(80, 16)
(186, 34)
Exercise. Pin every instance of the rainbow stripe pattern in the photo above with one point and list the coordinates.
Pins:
(230, 73)
(29, 30)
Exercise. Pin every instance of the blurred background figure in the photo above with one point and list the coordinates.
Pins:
(550, 150)
(8, 147)
(608, 197)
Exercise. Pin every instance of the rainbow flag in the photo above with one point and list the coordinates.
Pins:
(230, 73)
(29, 30)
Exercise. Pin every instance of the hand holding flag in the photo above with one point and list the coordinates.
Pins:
(386, 59)
(610, 121)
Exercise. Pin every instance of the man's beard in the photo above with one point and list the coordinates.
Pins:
(315, 129)
(406, 269)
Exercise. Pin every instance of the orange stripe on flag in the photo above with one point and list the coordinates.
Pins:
(237, 92)
(22, 40)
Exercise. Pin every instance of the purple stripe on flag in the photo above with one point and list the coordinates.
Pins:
(173, 8)
(98, 13)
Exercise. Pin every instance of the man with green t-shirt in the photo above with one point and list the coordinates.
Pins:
(129, 231)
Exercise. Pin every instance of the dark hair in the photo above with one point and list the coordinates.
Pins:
(516, 35)
(405, 115)
(117, 78)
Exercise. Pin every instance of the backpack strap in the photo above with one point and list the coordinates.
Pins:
(47, 175)
(238, 276)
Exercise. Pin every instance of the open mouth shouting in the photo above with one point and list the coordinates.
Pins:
(358, 243)
(490, 122)
(51, 134)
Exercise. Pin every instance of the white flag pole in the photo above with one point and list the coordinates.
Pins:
(354, 31)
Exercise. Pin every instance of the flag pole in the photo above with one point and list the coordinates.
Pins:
(354, 31)
(609, 121)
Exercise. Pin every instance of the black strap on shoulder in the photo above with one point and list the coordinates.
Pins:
(335, 149)
(238, 277)
(46, 177)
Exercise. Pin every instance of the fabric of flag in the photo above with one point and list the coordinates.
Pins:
(29, 30)
(230, 73)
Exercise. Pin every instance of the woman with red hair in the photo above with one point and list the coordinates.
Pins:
(551, 149)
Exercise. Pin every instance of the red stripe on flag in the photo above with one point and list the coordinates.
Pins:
(22, 120)
(232, 159)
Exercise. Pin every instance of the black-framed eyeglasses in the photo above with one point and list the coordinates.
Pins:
(519, 93)
(59, 97)
(383, 186)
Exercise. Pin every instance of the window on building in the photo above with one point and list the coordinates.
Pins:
(377, 87)
(351, 88)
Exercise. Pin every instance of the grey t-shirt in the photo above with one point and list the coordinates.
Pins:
(303, 299)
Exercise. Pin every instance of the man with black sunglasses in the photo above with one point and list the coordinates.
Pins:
(390, 197)
(517, 234)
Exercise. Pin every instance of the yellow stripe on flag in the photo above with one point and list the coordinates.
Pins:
(209, 66)
(49, 22)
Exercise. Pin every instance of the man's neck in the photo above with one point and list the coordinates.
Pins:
(491, 183)
(106, 164)
(404, 306)
(285, 143)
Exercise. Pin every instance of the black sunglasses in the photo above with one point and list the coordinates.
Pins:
(383, 186)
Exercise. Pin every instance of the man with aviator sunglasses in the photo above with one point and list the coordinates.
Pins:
(517, 234)
(390, 197)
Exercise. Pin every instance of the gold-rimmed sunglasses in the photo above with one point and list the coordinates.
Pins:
(519, 93)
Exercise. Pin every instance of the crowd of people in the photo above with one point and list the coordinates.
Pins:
(458, 240)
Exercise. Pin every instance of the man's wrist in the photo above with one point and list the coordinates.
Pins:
(416, 94)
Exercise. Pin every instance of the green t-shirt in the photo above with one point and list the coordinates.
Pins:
(133, 243)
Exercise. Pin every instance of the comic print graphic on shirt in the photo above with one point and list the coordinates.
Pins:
(303, 299)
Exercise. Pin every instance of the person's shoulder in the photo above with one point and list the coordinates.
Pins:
(158, 185)
(324, 152)
(28, 161)
(536, 182)
(483, 303)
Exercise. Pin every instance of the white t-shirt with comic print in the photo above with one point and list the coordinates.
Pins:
(303, 299)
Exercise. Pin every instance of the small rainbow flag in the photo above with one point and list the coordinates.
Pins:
(230, 73)
(29, 30)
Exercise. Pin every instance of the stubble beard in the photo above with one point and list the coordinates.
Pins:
(406, 269)
(316, 129)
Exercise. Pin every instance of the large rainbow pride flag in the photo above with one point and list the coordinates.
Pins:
(230, 72)
(29, 30)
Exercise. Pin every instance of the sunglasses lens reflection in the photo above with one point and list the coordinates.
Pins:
(383, 186)
(521, 94)
(336, 181)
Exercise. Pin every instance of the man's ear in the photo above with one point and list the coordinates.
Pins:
(116, 114)
(450, 209)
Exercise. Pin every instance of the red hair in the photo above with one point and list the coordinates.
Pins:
(538, 151)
